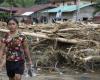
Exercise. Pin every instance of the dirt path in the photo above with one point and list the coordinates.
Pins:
(83, 76)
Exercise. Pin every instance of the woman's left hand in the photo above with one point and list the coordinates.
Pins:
(30, 62)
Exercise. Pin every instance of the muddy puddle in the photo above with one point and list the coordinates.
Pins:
(70, 75)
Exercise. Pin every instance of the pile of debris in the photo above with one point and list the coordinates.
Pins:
(64, 44)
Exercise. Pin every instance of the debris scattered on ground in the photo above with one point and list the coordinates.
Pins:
(63, 44)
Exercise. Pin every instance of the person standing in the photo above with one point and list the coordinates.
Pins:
(15, 46)
(59, 15)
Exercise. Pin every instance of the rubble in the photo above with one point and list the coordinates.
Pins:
(63, 44)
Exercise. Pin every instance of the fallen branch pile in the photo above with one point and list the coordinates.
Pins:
(64, 43)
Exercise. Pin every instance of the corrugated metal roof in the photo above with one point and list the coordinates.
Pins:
(27, 13)
(7, 9)
(34, 8)
(40, 7)
(67, 8)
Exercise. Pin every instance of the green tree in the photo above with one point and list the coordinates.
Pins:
(41, 1)
(1, 1)
(17, 3)
(97, 7)
(26, 3)
(9, 3)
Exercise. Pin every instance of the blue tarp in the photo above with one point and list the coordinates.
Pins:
(67, 8)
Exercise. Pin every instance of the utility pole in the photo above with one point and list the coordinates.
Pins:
(77, 10)
(11, 8)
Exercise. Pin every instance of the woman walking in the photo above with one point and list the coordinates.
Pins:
(14, 45)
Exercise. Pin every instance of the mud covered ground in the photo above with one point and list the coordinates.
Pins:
(70, 75)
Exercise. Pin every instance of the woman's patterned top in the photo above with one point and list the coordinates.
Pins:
(14, 46)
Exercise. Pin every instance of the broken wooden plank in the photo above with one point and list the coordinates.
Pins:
(91, 58)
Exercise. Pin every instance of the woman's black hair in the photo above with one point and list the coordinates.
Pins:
(14, 19)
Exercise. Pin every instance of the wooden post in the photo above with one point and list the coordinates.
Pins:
(78, 10)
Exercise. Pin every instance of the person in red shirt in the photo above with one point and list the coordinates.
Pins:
(15, 46)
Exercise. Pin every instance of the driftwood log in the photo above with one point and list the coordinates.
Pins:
(42, 35)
